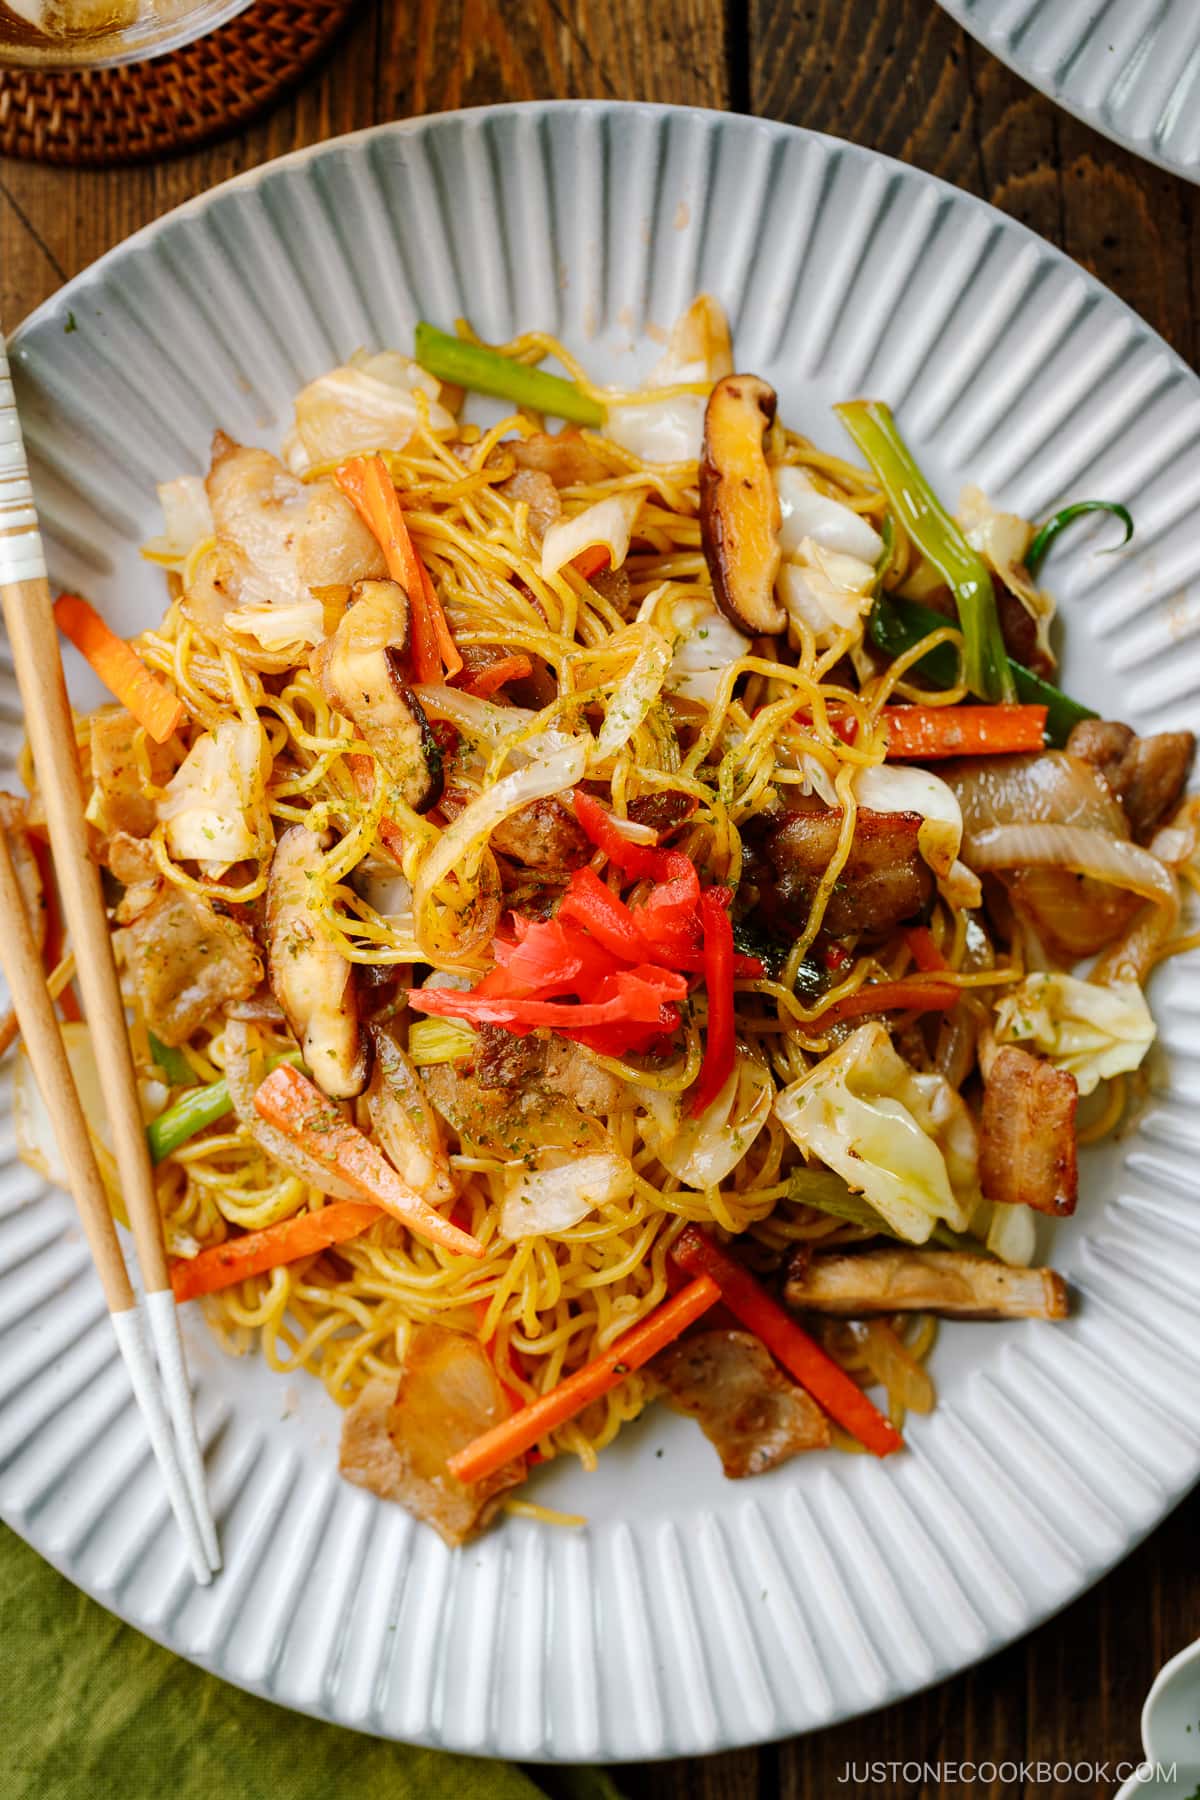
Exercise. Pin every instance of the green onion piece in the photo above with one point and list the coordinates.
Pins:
(196, 1110)
(933, 531)
(828, 1193)
(1037, 551)
(192, 1112)
(896, 625)
(173, 1063)
(487, 372)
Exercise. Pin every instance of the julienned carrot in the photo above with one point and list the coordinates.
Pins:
(362, 771)
(290, 1102)
(520, 1432)
(258, 1251)
(589, 562)
(925, 952)
(484, 682)
(153, 704)
(366, 483)
(925, 732)
(890, 996)
(817, 1373)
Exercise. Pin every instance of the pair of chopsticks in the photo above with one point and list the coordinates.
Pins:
(158, 1375)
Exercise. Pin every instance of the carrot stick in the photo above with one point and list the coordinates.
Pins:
(519, 1433)
(925, 732)
(925, 952)
(816, 1372)
(589, 562)
(452, 662)
(153, 704)
(290, 1102)
(485, 681)
(891, 996)
(362, 771)
(368, 486)
(258, 1251)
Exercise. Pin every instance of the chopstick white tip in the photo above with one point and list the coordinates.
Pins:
(164, 1329)
(143, 1376)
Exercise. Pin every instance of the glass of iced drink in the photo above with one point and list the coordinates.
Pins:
(91, 33)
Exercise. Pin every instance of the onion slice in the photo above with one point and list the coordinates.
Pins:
(543, 1202)
(1052, 788)
(1079, 848)
(542, 776)
(702, 1152)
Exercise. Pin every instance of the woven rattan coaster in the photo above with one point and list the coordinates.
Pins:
(98, 116)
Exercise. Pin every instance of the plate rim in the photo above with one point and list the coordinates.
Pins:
(947, 1665)
(1089, 116)
(415, 124)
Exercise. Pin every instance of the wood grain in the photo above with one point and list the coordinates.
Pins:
(900, 76)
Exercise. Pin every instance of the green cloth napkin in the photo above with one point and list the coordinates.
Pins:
(94, 1711)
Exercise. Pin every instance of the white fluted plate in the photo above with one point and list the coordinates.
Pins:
(1130, 68)
(691, 1613)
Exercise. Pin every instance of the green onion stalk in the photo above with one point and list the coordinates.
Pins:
(173, 1063)
(484, 371)
(196, 1110)
(986, 668)
(1036, 554)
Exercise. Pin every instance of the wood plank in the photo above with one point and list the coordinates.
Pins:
(448, 53)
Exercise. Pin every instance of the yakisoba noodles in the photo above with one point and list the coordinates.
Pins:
(654, 849)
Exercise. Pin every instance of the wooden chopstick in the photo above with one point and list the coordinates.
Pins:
(29, 619)
(44, 1047)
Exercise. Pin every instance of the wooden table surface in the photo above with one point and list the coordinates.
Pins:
(899, 76)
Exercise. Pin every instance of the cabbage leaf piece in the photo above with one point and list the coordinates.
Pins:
(906, 1141)
(1090, 1031)
(215, 805)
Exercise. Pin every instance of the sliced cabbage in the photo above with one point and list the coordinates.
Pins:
(1012, 1235)
(433, 1041)
(905, 1141)
(1002, 539)
(37, 1144)
(541, 1202)
(1092, 1032)
(807, 513)
(369, 403)
(672, 430)
(635, 693)
(187, 521)
(660, 431)
(897, 787)
(215, 805)
(705, 645)
(702, 1152)
(826, 591)
(608, 522)
(295, 625)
